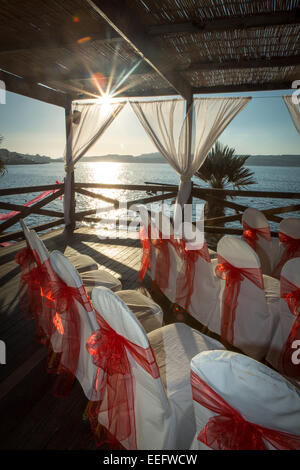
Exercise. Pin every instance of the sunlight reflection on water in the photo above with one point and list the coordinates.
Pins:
(268, 179)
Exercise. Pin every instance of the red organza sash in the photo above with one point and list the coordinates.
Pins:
(113, 389)
(146, 255)
(185, 280)
(66, 320)
(251, 235)
(292, 250)
(162, 266)
(36, 281)
(229, 430)
(233, 277)
(25, 258)
(291, 294)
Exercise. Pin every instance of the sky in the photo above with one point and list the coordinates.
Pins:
(264, 127)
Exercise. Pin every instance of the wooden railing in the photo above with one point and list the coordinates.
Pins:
(155, 192)
(24, 211)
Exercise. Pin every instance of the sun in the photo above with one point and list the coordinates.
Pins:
(106, 101)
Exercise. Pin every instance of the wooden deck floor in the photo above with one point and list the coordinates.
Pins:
(31, 418)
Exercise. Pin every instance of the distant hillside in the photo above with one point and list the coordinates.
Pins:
(15, 158)
(253, 160)
(274, 160)
(143, 158)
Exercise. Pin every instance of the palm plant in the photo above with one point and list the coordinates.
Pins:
(221, 169)
(2, 167)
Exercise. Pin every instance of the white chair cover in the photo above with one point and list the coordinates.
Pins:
(82, 263)
(291, 272)
(145, 310)
(26, 232)
(204, 301)
(163, 415)
(90, 279)
(267, 249)
(254, 324)
(162, 224)
(288, 227)
(86, 369)
(259, 394)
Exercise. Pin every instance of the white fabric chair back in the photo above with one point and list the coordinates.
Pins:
(162, 224)
(261, 395)
(291, 272)
(152, 410)
(290, 226)
(255, 219)
(28, 238)
(25, 230)
(253, 324)
(39, 247)
(204, 301)
(86, 369)
(264, 248)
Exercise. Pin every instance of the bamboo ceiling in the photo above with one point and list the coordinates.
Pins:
(147, 47)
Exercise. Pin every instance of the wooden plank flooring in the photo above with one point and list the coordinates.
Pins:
(31, 417)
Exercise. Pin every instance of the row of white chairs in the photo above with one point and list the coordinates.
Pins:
(262, 320)
(142, 306)
(273, 252)
(165, 416)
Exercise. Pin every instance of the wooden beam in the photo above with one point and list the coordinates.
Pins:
(30, 189)
(32, 89)
(123, 21)
(228, 23)
(18, 208)
(207, 192)
(28, 210)
(247, 87)
(282, 61)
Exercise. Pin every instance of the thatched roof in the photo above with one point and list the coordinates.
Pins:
(164, 46)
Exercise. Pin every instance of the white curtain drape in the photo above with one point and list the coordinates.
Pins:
(89, 122)
(294, 109)
(168, 126)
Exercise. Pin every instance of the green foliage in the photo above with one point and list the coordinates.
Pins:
(221, 169)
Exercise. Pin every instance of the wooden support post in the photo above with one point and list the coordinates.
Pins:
(70, 221)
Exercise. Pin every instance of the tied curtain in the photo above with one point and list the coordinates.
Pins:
(294, 109)
(89, 122)
(185, 138)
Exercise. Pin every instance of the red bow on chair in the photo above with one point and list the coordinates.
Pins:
(233, 277)
(66, 320)
(25, 258)
(250, 235)
(162, 266)
(291, 294)
(229, 430)
(292, 250)
(113, 389)
(146, 255)
(185, 280)
(32, 303)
